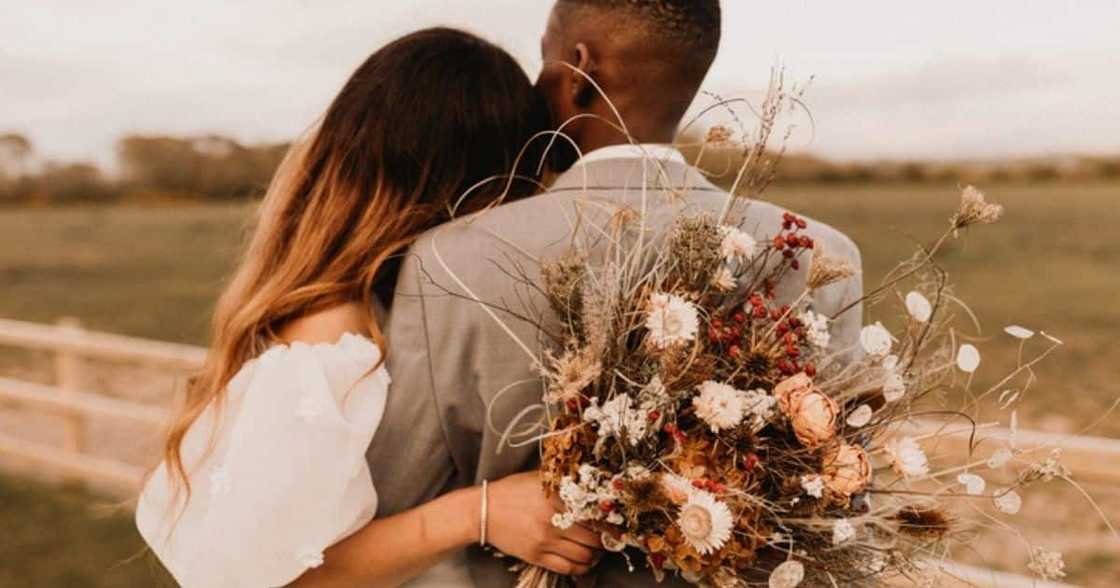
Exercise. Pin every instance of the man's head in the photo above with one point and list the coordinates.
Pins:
(648, 56)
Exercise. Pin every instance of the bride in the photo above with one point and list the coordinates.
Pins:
(264, 481)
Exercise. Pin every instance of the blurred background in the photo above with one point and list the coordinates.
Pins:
(135, 138)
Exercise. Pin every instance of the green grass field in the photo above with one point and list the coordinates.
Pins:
(64, 537)
(1053, 264)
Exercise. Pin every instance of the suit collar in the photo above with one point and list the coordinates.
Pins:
(630, 173)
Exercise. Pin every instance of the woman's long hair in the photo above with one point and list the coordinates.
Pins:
(424, 119)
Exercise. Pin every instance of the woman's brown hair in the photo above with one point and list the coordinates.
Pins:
(424, 120)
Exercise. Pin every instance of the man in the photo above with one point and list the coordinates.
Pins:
(463, 368)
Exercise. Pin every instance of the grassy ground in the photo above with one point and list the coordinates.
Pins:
(150, 272)
(65, 537)
(1052, 264)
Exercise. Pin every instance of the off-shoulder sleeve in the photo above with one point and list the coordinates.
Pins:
(286, 477)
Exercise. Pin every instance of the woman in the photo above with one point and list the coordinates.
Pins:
(264, 476)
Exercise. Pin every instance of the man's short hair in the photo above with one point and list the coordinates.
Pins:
(693, 25)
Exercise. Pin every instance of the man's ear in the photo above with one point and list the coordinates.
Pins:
(583, 93)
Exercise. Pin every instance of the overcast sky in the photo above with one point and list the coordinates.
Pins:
(947, 79)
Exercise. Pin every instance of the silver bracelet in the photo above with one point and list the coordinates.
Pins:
(484, 514)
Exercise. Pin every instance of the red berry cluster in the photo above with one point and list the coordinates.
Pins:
(792, 333)
(709, 485)
(675, 431)
(789, 240)
(576, 405)
(725, 333)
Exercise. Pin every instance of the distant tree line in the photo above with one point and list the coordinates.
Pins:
(153, 168)
(161, 168)
(796, 168)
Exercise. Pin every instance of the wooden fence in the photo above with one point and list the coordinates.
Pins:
(71, 346)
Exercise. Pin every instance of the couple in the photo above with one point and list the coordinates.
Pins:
(295, 460)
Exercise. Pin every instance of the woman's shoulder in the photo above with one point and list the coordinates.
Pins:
(330, 348)
(328, 325)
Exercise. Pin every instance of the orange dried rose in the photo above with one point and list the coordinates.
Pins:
(812, 414)
(786, 388)
(847, 469)
(814, 418)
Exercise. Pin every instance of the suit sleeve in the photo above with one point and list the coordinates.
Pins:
(409, 458)
(846, 327)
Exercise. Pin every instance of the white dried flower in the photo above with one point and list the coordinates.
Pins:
(842, 531)
(760, 406)
(617, 416)
(724, 280)
(1018, 332)
(788, 574)
(720, 406)
(705, 522)
(975, 209)
(1047, 564)
(583, 498)
(860, 416)
(676, 488)
(1000, 458)
(671, 320)
(876, 340)
(1049, 468)
(968, 358)
(894, 387)
(654, 392)
(907, 457)
(972, 483)
(877, 563)
(919, 307)
(813, 485)
(563, 521)
(571, 373)
(610, 543)
(1008, 501)
(736, 245)
(816, 329)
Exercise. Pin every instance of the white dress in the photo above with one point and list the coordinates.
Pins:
(278, 474)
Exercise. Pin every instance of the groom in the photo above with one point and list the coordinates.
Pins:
(462, 371)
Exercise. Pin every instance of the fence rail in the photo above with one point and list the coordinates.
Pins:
(71, 346)
(67, 337)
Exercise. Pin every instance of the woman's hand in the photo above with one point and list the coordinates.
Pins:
(520, 524)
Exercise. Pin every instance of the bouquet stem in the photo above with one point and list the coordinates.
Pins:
(537, 577)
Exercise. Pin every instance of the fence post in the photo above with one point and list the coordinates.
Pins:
(68, 377)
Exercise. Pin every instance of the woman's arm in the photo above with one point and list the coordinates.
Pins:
(387, 552)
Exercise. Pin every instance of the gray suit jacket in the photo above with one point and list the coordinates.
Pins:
(449, 357)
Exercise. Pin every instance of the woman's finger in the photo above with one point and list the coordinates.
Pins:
(571, 551)
(583, 536)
